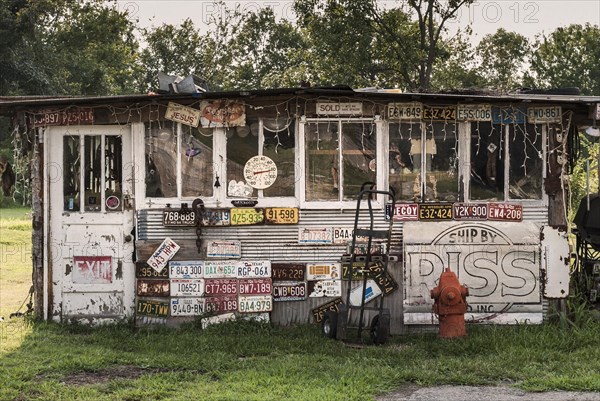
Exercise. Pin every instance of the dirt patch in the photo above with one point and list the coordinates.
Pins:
(112, 373)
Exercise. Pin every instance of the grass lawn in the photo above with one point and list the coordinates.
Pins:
(253, 361)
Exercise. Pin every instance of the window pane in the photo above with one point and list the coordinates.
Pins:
(241, 146)
(441, 162)
(113, 173)
(526, 162)
(358, 157)
(161, 159)
(71, 172)
(197, 163)
(322, 161)
(92, 172)
(279, 145)
(487, 162)
(405, 151)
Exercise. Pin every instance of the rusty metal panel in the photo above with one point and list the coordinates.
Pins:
(556, 265)
(153, 288)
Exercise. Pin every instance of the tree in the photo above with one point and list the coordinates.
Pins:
(569, 57)
(502, 57)
(456, 67)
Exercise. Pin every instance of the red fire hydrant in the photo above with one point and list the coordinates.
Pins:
(450, 305)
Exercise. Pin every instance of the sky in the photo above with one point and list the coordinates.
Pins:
(525, 17)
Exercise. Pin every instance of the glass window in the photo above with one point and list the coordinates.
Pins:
(358, 157)
(113, 194)
(161, 159)
(487, 162)
(71, 172)
(279, 145)
(526, 162)
(404, 160)
(322, 161)
(241, 146)
(92, 172)
(441, 162)
(197, 169)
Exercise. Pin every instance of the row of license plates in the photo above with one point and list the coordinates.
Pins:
(232, 217)
(208, 305)
(455, 211)
(184, 287)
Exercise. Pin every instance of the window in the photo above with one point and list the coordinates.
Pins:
(526, 162)
(340, 157)
(487, 162)
(71, 173)
(161, 160)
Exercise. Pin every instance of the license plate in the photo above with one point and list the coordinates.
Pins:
(152, 308)
(220, 269)
(228, 303)
(288, 272)
(247, 216)
(343, 235)
(216, 217)
(403, 211)
(187, 287)
(255, 303)
(475, 112)
(323, 271)
(289, 292)
(470, 211)
(436, 211)
(405, 111)
(143, 270)
(223, 249)
(315, 236)
(332, 305)
(153, 288)
(359, 270)
(371, 291)
(325, 288)
(361, 249)
(186, 269)
(281, 215)
(385, 281)
(548, 114)
(255, 286)
(220, 286)
(439, 113)
(161, 256)
(505, 212)
(187, 306)
(254, 268)
(179, 218)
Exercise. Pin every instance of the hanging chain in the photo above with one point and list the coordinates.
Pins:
(198, 208)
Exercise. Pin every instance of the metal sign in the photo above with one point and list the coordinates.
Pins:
(474, 112)
(76, 116)
(403, 211)
(332, 305)
(254, 268)
(405, 111)
(182, 114)
(255, 286)
(289, 292)
(323, 271)
(153, 288)
(216, 217)
(220, 304)
(224, 249)
(436, 211)
(315, 236)
(505, 212)
(247, 216)
(509, 115)
(385, 281)
(439, 113)
(288, 271)
(343, 235)
(547, 114)
(179, 218)
(281, 215)
(361, 248)
(220, 286)
(187, 287)
(92, 269)
(325, 288)
(186, 269)
(220, 269)
(339, 109)
(371, 291)
(163, 254)
(142, 270)
(222, 113)
(152, 308)
(255, 303)
(187, 306)
(470, 211)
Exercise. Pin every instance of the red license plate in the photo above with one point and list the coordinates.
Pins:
(220, 286)
(260, 286)
(505, 212)
(227, 303)
(406, 211)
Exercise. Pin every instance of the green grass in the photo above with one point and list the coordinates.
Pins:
(252, 361)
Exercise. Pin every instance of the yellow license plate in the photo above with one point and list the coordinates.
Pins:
(247, 216)
(281, 215)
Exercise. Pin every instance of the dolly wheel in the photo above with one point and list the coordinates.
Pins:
(379, 330)
(329, 324)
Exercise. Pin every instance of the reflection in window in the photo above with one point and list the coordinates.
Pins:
(441, 162)
(322, 161)
(197, 162)
(405, 159)
(242, 144)
(112, 173)
(161, 159)
(526, 161)
(358, 157)
(487, 162)
(279, 145)
(71, 172)
(92, 172)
